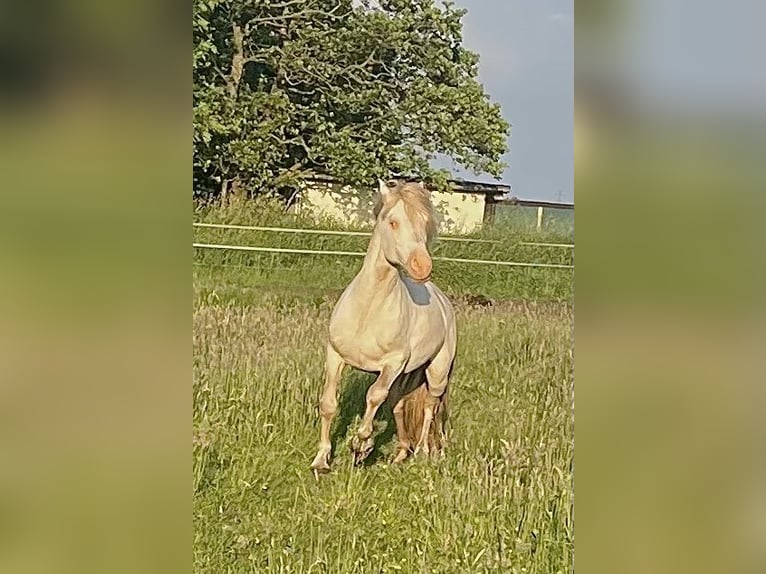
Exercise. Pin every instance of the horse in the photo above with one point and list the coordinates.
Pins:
(393, 321)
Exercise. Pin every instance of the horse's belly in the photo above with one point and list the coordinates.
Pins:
(369, 351)
(423, 349)
(362, 352)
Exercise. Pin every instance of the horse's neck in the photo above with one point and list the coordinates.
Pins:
(377, 278)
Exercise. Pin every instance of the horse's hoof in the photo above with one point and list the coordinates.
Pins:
(321, 464)
(401, 456)
(422, 451)
(361, 449)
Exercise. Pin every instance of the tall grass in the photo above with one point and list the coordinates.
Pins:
(499, 501)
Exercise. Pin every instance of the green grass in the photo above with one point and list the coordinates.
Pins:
(524, 219)
(499, 501)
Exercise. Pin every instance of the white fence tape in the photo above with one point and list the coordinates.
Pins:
(564, 245)
(326, 232)
(360, 254)
(363, 234)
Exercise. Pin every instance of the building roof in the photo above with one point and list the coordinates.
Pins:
(535, 203)
(458, 185)
(496, 189)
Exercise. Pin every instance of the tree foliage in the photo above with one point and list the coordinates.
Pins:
(290, 88)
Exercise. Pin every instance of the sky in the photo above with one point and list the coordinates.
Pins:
(526, 50)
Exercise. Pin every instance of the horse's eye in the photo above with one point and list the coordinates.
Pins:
(394, 224)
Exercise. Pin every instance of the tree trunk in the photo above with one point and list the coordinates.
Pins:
(237, 189)
(237, 61)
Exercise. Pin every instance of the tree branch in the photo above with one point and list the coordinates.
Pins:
(237, 60)
(308, 12)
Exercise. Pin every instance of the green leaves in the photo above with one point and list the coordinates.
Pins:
(355, 90)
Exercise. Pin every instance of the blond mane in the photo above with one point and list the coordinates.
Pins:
(417, 205)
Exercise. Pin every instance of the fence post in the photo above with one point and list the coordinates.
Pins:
(539, 218)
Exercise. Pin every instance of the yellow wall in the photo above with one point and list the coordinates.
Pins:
(332, 201)
(457, 212)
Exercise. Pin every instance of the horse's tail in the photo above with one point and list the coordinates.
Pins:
(414, 407)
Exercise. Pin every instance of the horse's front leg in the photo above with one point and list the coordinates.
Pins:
(362, 443)
(328, 405)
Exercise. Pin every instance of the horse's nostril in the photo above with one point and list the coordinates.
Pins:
(420, 266)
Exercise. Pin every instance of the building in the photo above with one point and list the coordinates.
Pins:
(462, 210)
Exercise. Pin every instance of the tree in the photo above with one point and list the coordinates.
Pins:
(359, 90)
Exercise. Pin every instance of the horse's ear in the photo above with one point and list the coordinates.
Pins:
(383, 188)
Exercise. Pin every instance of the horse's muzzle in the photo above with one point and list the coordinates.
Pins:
(419, 266)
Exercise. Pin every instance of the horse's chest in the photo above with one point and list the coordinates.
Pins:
(364, 344)
(370, 341)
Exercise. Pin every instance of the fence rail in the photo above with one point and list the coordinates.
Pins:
(361, 254)
(325, 232)
(564, 245)
(362, 234)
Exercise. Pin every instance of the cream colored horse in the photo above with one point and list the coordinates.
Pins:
(393, 321)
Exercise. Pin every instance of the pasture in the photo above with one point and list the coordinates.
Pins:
(499, 501)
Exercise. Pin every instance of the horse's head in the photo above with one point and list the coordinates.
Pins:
(406, 225)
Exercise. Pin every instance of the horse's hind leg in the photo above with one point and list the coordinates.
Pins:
(437, 375)
(429, 406)
(328, 405)
(408, 411)
(401, 432)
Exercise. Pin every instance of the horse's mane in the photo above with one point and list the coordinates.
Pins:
(417, 205)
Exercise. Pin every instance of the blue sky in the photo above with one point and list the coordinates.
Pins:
(527, 65)
(712, 67)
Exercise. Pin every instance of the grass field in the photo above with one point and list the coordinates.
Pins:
(499, 501)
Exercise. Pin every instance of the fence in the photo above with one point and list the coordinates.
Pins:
(313, 264)
(365, 234)
(538, 218)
